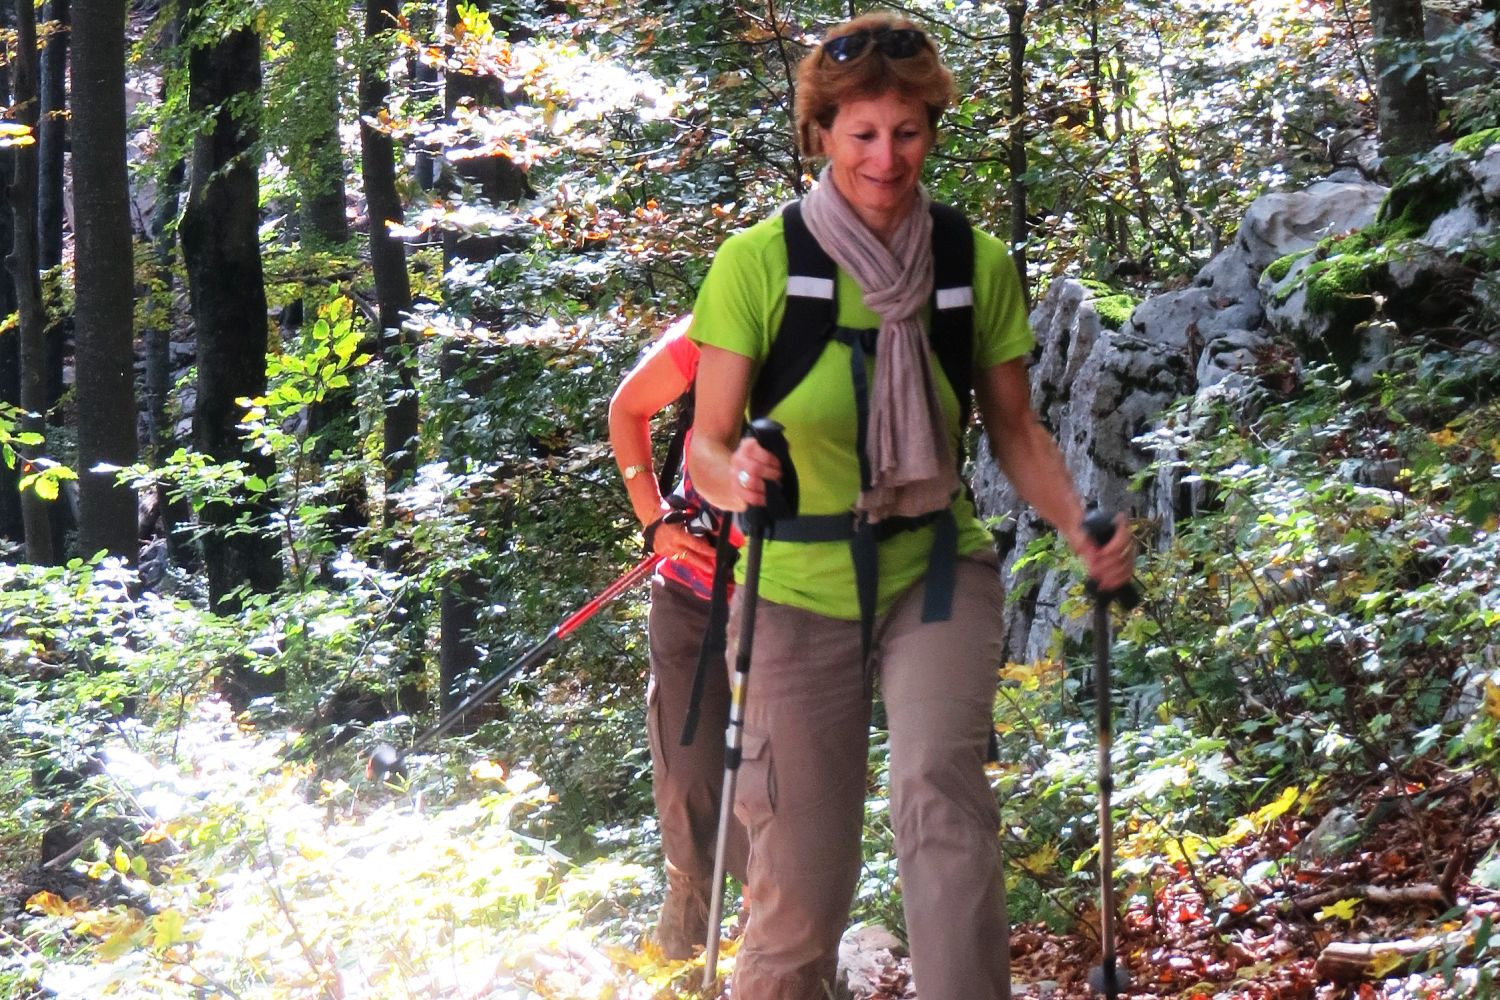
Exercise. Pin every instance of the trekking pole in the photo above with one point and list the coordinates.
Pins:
(386, 761)
(781, 502)
(1106, 978)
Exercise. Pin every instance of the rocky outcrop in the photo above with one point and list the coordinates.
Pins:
(1100, 390)
(1417, 258)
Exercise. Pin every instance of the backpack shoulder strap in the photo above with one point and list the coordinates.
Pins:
(671, 465)
(812, 309)
(810, 314)
(953, 302)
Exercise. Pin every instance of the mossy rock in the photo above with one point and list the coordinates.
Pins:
(1113, 306)
(1278, 269)
(1320, 296)
(1430, 189)
(1475, 143)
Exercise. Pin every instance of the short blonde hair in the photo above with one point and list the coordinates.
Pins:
(823, 84)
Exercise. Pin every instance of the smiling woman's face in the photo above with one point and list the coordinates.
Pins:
(875, 148)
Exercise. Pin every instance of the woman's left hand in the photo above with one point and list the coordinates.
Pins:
(1111, 565)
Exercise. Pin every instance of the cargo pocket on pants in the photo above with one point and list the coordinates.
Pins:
(755, 791)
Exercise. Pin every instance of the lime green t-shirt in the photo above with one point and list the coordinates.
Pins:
(739, 309)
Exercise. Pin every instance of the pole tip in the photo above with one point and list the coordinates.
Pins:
(1109, 979)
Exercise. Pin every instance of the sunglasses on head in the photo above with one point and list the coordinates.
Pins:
(893, 43)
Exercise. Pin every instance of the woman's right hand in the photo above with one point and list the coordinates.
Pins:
(680, 545)
(750, 467)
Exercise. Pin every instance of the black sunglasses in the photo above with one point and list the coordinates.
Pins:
(893, 43)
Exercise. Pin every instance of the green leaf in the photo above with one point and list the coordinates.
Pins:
(44, 485)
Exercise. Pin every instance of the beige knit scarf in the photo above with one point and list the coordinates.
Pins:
(911, 466)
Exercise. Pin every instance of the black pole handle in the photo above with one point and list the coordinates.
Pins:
(781, 496)
(1101, 528)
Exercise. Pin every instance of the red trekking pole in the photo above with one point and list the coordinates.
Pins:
(386, 761)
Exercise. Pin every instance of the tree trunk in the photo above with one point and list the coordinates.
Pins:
(1018, 228)
(157, 335)
(425, 85)
(1116, 231)
(317, 154)
(458, 655)
(1408, 106)
(53, 132)
(221, 250)
(388, 258)
(23, 268)
(12, 527)
(398, 361)
(499, 180)
(52, 136)
(105, 285)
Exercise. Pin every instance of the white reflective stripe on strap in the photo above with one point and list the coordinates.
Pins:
(809, 287)
(955, 298)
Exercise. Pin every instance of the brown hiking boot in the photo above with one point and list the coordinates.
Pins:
(684, 915)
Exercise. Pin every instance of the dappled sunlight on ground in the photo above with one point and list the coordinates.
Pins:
(264, 879)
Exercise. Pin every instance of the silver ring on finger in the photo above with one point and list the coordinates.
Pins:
(744, 478)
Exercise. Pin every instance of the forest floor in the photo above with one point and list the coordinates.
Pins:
(247, 876)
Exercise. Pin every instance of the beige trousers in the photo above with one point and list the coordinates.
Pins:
(801, 791)
(686, 781)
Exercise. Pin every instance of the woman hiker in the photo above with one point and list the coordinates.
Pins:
(885, 572)
(685, 781)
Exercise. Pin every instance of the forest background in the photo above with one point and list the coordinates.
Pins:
(314, 310)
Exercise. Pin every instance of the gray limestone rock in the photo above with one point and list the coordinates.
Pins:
(1099, 390)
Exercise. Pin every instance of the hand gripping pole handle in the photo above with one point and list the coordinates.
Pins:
(781, 495)
(1101, 528)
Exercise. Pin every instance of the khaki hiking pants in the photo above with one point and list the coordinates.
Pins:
(686, 781)
(801, 791)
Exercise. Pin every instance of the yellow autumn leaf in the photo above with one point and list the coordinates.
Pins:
(1342, 910)
(1186, 848)
(1041, 860)
(1253, 822)
(1492, 699)
(1443, 438)
(122, 860)
(1386, 960)
(487, 770)
(1018, 672)
(118, 943)
(520, 782)
(1029, 675)
(112, 922)
(49, 904)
